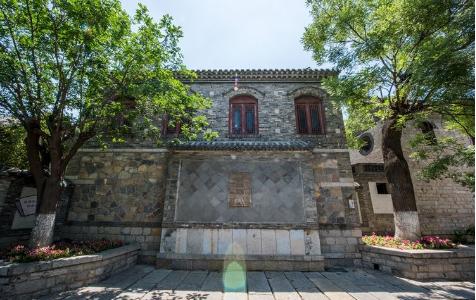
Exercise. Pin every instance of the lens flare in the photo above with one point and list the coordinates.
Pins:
(234, 271)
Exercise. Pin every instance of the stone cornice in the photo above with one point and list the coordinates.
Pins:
(266, 75)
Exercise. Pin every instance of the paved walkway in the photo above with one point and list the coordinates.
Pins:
(146, 282)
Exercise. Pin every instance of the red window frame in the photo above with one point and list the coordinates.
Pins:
(245, 103)
(309, 104)
(167, 130)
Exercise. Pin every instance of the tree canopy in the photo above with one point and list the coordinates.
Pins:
(399, 60)
(73, 70)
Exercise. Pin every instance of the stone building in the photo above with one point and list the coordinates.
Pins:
(443, 205)
(274, 190)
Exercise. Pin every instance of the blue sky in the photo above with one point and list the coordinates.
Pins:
(244, 34)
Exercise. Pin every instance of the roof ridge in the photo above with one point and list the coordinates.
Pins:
(306, 74)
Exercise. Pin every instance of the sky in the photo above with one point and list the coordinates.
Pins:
(232, 34)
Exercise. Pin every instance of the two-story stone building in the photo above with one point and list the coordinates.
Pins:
(274, 190)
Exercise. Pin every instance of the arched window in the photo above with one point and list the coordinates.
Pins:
(428, 130)
(368, 145)
(243, 118)
(309, 115)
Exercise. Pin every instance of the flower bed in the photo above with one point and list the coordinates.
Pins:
(39, 278)
(426, 242)
(452, 264)
(21, 253)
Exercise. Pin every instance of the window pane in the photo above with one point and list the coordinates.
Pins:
(236, 121)
(301, 115)
(250, 119)
(314, 119)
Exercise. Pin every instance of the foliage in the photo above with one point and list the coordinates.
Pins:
(391, 242)
(398, 58)
(426, 242)
(70, 71)
(21, 253)
(12, 146)
(465, 236)
(448, 158)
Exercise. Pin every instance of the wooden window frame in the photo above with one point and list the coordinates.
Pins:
(166, 130)
(306, 102)
(243, 101)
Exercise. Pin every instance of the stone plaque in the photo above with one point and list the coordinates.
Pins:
(239, 190)
(26, 205)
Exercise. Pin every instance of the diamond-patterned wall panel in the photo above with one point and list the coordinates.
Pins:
(276, 192)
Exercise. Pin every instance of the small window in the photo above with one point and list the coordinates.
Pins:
(428, 130)
(382, 188)
(309, 115)
(243, 119)
(169, 129)
(368, 145)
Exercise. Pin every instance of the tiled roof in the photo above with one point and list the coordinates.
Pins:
(242, 145)
(287, 75)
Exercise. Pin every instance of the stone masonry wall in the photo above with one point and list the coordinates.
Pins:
(36, 279)
(276, 113)
(443, 205)
(10, 190)
(118, 195)
(371, 222)
(450, 264)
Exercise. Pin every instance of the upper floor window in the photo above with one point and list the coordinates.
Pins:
(168, 128)
(309, 115)
(243, 119)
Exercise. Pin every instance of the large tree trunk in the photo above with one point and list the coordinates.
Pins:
(407, 224)
(48, 197)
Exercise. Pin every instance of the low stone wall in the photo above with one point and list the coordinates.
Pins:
(421, 264)
(340, 247)
(148, 238)
(28, 280)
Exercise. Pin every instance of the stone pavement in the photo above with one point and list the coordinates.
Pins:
(146, 282)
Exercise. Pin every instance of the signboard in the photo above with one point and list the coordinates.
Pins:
(27, 205)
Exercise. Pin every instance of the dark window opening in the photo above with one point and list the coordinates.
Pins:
(382, 188)
(428, 130)
(309, 115)
(243, 116)
(373, 168)
(368, 145)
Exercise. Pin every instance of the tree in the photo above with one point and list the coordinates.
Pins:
(399, 60)
(76, 70)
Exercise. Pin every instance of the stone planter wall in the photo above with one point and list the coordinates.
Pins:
(421, 264)
(28, 280)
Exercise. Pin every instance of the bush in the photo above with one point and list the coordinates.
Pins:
(427, 242)
(21, 253)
